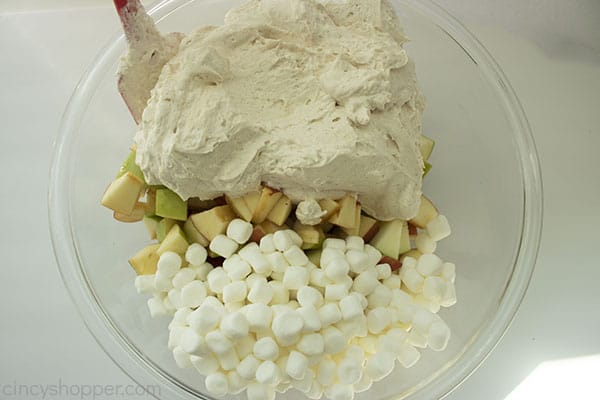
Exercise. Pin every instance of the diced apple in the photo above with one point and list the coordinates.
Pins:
(151, 223)
(251, 200)
(327, 226)
(135, 216)
(175, 241)
(354, 230)
(330, 206)
(150, 201)
(426, 168)
(239, 206)
(426, 147)
(193, 234)
(129, 165)
(393, 263)
(314, 256)
(170, 205)
(388, 239)
(268, 198)
(195, 205)
(146, 260)
(312, 235)
(426, 213)
(345, 216)
(281, 211)
(213, 222)
(368, 228)
(405, 239)
(270, 227)
(123, 193)
(163, 227)
(257, 233)
(414, 253)
(412, 231)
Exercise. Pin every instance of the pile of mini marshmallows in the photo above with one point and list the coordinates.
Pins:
(269, 319)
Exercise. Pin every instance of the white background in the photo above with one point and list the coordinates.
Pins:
(550, 51)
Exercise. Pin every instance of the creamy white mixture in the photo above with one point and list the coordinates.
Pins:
(315, 99)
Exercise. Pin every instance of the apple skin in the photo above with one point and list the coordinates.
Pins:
(427, 212)
(257, 233)
(393, 263)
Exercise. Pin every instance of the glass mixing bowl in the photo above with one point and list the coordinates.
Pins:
(485, 178)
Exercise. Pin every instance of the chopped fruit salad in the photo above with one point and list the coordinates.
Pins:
(278, 167)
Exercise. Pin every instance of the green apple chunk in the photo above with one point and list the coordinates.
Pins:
(427, 168)
(312, 235)
(213, 222)
(123, 193)
(151, 223)
(426, 147)
(426, 213)
(175, 241)
(146, 260)
(129, 165)
(170, 205)
(368, 228)
(194, 234)
(405, 239)
(389, 238)
(163, 227)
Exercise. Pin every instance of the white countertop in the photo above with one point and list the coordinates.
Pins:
(550, 51)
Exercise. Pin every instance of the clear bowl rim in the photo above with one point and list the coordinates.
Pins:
(137, 367)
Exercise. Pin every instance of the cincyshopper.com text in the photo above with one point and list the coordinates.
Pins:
(62, 390)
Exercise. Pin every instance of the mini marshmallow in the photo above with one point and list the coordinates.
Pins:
(335, 292)
(277, 261)
(162, 282)
(236, 383)
(168, 306)
(307, 295)
(439, 335)
(266, 349)
(296, 239)
(295, 256)
(311, 344)
(259, 391)
(349, 371)
(363, 384)
(261, 292)
(144, 284)
(438, 228)
(334, 243)
(355, 353)
(223, 246)
(422, 320)
(259, 316)
(228, 360)
(156, 307)
(175, 334)
(295, 277)
(268, 373)
(379, 365)
(216, 384)
(326, 372)
(267, 244)
(245, 345)
(280, 294)
(393, 282)
(204, 318)
(196, 254)
(202, 271)
(417, 339)
(253, 277)
(169, 263)
(218, 342)
(193, 294)
(297, 364)
(449, 298)
(365, 282)
(429, 264)
(282, 240)
(337, 269)
(434, 288)
(234, 325)
(204, 365)
(183, 277)
(287, 326)
(174, 296)
(236, 268)
(239, 230)
(283, 386)
(378, 319)
(235, 292)
(424, 243)
(180, 317)
(351, 307)
(247, 367)
(353, 327)
(311, 318)
(235, 306)
(374, 255)
(449, 271)
(334, 340)
(358, 260)
(413, 279)
(384, 271)
(252, 254)
(408, 356)
(318, 278)
(368, 343)
(361, 297)
(305, 383)
(355, 243)
(340, 391)
(217, 279)
(329, 314)
(182, 359)
(315, 392)
(381, 296)
(329, 254)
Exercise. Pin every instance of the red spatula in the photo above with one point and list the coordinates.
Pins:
(148, 52)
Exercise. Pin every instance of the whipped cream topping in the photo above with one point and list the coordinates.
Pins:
(317, 100)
